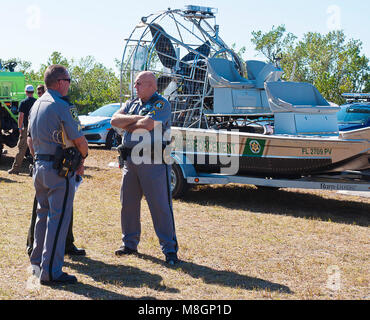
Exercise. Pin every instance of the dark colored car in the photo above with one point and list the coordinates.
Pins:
(355, 114)
(97, 128)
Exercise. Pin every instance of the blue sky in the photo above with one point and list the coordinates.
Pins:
(33, 29)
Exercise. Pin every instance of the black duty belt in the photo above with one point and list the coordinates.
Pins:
(126, 152)
(44, 157)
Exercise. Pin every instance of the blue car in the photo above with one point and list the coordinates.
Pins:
(355, 114)
(97, 128)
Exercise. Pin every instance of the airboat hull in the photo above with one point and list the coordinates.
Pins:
(272, 155)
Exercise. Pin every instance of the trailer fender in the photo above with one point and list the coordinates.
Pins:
(185, 165)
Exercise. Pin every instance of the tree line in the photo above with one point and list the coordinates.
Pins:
(92, 84)
(329, 61)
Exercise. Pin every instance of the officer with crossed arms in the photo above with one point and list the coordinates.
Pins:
(152, 179)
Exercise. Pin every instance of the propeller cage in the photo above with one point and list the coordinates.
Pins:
(175, 46)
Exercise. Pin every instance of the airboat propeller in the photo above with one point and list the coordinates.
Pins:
(175, 45)
(168, 57)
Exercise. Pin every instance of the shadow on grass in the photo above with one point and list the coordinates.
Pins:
(93, 170)
(97, 169)
(96, 293)
(98, 147)
(282, 202)
(7, 180)
(222, 278)
(117, 275)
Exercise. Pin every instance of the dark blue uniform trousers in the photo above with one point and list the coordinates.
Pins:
(152, 181)
(54, 210)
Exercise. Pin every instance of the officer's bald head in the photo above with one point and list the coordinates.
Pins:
(145, 85)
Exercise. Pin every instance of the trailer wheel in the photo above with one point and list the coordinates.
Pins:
(113, 139)
(179, 186)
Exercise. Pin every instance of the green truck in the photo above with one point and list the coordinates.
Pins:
(12, 85)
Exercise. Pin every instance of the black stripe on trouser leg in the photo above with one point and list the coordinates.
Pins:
(31, 230)
(169, 204)
(58, 230)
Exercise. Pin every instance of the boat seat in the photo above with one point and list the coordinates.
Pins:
(262, 72)
(298, 97)
(254, 67)
(300, 109)
(223, 74)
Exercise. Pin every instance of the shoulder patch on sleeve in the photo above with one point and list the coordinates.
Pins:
(158, 105)
(74, 114)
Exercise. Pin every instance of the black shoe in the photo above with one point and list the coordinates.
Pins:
(171, 258)
(74, 251)
(124, 250)
(64, 278)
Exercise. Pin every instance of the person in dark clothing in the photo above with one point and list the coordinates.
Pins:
(24, 110)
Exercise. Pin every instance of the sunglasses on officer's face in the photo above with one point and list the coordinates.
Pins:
(69, 80)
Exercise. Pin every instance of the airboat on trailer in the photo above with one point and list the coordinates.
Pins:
(273, 128)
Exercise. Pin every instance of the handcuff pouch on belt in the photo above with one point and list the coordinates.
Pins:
(123, 154)
(67, 160)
